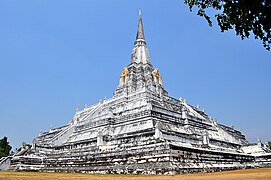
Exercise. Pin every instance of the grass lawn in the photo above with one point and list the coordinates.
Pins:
(249, 174)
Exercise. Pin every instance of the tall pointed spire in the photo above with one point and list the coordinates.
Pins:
(140, 32)
(140, 51)
(140, 74)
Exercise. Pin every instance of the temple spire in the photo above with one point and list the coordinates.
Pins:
(140, 52)
(140, 31)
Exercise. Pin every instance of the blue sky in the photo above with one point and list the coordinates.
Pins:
(56, 54)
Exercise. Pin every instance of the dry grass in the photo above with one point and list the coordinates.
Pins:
(249, 174)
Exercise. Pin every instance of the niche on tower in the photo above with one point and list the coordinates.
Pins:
(124, 77)
(157, 77)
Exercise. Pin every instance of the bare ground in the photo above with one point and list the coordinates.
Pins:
(249, 174)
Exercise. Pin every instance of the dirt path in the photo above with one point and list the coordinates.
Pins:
(250, 174)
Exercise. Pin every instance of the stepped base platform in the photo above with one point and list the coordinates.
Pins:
(152, 157)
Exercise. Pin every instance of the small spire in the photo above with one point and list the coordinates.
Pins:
(140, 31)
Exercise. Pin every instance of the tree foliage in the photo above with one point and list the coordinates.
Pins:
(269, 143)
(244, 16)
(4, 147)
